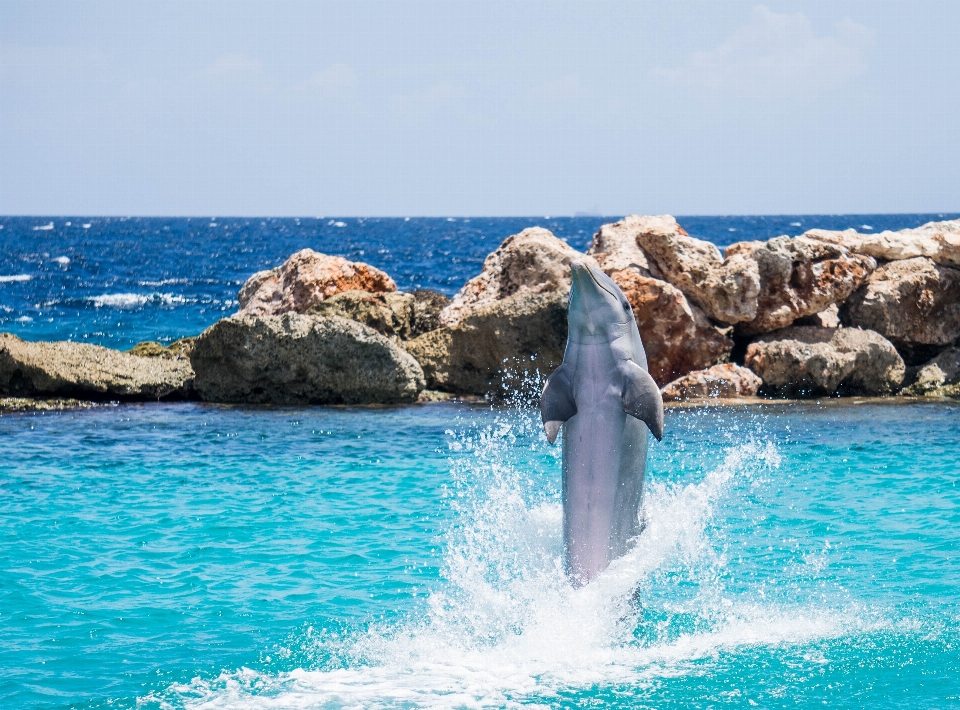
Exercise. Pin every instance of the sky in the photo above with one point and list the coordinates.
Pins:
(450, 108)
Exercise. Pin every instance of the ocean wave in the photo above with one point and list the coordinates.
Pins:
(43, 227)
(125, 301)
(15, 278)
(165, 282)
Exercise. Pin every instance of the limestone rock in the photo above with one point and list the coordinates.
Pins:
(677, 337)
(497, 345)
(940, 376)
(301, 359)
(389, 313)
(306, 279)
(84, 371)
(533, 261)
(799, 277)
(914, 303)
(427, 306)
(726, 289)
(938, 241)
(177, 349)
(615, 245)
(720, 381)
(827, 318)
(805, 361)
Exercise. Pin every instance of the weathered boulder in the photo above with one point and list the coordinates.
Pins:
(938, 241)
(725, 288)
(84, 371)
(940, 376)
(615, 245)
(677, 337)
(301, 359)
(496, 346)
(827, 318)
(913, 303)
(392, 313)
(799, 277)
(306, 279)
(177, 349)
(805, 361)
(725, 381)
(533, 261)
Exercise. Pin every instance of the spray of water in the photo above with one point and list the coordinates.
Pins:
(506, 628)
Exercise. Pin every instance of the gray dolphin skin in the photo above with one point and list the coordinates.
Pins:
(605, 401)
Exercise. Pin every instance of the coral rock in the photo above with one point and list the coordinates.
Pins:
(720, 381)
(939, 241)
(805, 361)
(306, 279)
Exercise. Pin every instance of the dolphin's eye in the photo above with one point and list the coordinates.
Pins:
(626, 304)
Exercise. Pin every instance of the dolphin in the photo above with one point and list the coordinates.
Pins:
(605, 400)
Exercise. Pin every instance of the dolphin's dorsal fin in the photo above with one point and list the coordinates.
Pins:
(641, 397)
(556, 403)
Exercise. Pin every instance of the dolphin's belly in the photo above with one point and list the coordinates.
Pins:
(604, 456)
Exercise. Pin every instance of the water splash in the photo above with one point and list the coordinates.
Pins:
(505, 628)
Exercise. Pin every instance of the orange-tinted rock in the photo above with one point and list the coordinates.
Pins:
(800, 277)
(939, 241)
(677, 336)
(306, 279)
(720, 381)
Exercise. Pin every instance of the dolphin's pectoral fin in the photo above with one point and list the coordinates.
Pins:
(641, 398)
(556, 403)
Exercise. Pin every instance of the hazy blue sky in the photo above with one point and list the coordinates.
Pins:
(463, 108)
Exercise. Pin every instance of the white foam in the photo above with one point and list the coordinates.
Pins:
(134, 300)
(796, 224)
(63, 260)
(15, 278)
(44, 227)
(339, 224)
(865, 226)
(68, 223)
(24, 319)
(506, 628)
(85, 226)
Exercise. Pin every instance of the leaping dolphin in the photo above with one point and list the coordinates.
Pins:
(603, 396)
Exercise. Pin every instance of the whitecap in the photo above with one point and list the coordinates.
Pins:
(63, 260)
(15, 278)
(24, 319)
(85, 226)
(213, 224)
(731, 229)
(44, 227)
(865, 226)
(339, 224)
(451, 219)
(135, 300)
(165, 282)
(67, 224)
(796, 224)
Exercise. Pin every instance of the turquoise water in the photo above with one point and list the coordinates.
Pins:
(191, 556)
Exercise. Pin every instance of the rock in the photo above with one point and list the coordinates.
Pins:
(177, 349)
(84, 371)
(938, 241)
(389, 313)
(498, 346)
(615, 245)
(301, 359)
(533, 261)
(677, 336)
(720, 381)
(828, 318)
(913, 303)
(799, 277)
(306, 279)
(939, 377)
(726, 289)
(427, 306)
(805, 361)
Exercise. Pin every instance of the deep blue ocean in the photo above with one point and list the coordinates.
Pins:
(163, 556)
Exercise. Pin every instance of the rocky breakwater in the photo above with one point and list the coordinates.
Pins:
(507, 323)
(89, 372)
(290, 342)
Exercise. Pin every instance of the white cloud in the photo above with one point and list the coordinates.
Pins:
(234, 66)
(336, 80)
(776, 55)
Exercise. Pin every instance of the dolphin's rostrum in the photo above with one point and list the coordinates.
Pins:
(605, 400)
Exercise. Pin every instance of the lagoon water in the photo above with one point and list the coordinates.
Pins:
(195, 556)
(168, 556)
